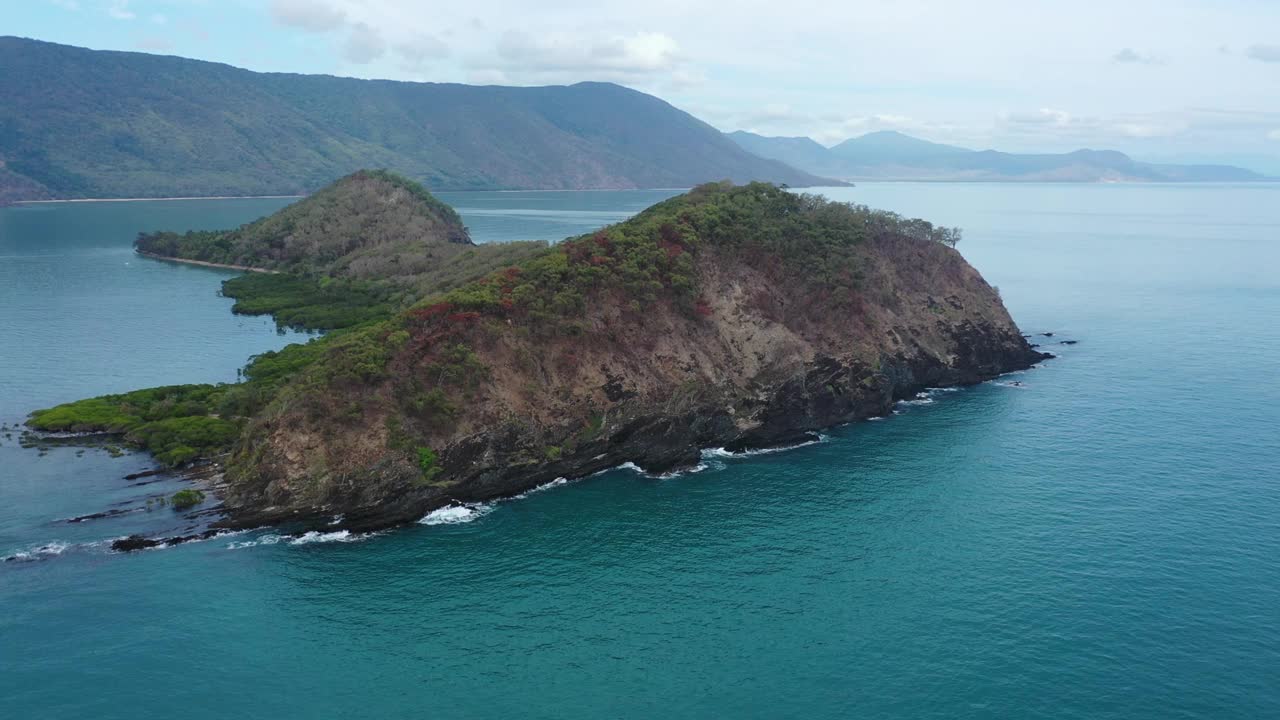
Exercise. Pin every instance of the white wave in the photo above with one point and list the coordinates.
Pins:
(221, 534)
(315, 536)
(683, 471)
(51, 549)
(306, 538)
(922, 398)
(931, 391)
(545, 486)
(669, 474)
(877, 418)
(269, 539)
(454, 514)
(723, 453)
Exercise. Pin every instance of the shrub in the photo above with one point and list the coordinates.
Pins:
(428, 463)
(185, 499)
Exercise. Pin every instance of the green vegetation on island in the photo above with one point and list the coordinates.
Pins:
(186, 499)
(360, 249)
(423, 333)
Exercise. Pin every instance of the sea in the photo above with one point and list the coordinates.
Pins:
(1098, 537)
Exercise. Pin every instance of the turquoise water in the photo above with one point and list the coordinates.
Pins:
(1102, 541)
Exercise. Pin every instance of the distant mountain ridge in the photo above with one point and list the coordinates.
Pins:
(78, 123)
(890, 155)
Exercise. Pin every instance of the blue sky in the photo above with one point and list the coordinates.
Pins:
(1167, 79)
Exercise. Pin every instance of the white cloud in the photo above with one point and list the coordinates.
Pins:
(1131, 56)
(309, 15)
(554, 55)
(833, 70)
(364, 45)
(1043, 116)
(1264, 53)
(120, 10)
(1274, 135)
(417, 53)
(154, 43)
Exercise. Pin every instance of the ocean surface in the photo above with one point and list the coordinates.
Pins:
(1096, 538)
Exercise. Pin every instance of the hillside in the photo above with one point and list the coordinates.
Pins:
(80, 123)
(889, 155)
(357, 249)
(794, 151)
(730, 316)
(889, 147)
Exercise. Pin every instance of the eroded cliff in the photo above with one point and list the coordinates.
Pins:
(730, 316)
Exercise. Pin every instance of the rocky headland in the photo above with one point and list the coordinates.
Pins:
(731, 316)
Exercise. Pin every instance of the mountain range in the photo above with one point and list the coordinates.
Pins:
(77, 123)
(890, 155)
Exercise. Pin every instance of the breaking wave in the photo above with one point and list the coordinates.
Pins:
(52, 549)
(666, 475)
(723, 453)
(545, 486)
(306, 538)
(921, 398)
(455, 514)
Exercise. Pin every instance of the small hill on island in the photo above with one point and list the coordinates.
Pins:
(731, 316)
(354, 250)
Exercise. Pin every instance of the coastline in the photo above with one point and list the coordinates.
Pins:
(205, 263)
(148, 199)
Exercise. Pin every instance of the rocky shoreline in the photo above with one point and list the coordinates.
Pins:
(731, 317)
(828, 394)
(654, 446)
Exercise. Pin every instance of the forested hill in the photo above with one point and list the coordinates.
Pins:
(371, 224)
(736, 317)
(354, 250)
(84, 123)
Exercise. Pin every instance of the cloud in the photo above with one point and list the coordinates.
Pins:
(309, 15)
(120, 10)
(364, 45)
(154, 43)
(520, 54)
(1264, 53)
(775, 113)
(1274, 135)
(416, 53)
(1131, 56)
(66, 4)
(1043, 116)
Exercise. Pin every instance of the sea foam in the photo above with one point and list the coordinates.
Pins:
(51, 549)
(455, 514)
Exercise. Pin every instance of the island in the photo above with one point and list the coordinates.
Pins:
(735, 316)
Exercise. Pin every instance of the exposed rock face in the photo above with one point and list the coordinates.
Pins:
(762, 360)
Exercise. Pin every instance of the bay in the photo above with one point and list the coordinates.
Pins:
(1101, 540)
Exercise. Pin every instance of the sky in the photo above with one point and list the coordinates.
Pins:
(1177, 80)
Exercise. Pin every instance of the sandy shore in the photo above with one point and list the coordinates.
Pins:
(203, 263)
